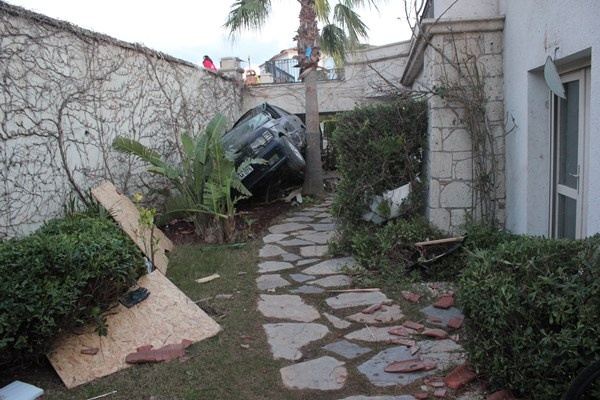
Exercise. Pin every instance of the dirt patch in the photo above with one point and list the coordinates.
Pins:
(253, 219)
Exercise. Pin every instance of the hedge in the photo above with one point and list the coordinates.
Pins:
(532, 308)
(60, 277)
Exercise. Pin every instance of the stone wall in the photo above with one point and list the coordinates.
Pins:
(476, 48)
(369, 76)
(67, 93)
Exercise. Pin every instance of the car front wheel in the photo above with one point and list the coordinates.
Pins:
(295, 161)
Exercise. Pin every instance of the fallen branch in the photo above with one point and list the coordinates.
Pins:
(208, 278)
(102, 395)
(440, 241)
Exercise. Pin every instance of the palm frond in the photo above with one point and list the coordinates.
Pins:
(323, 8)
(361, 3)
(247, 15)
(130, 146)
(351, 22)
(333, 42)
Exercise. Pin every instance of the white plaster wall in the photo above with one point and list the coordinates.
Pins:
(533, 30)
(468, 8)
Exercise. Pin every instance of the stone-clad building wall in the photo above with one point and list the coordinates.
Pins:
(451, 198)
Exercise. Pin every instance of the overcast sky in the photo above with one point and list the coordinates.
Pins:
(189, 29)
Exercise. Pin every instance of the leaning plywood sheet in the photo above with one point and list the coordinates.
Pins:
(127, 216)
(167, 316)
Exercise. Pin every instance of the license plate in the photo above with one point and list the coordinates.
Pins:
(245, 172)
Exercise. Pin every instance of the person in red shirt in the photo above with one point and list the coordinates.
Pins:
(208, 63)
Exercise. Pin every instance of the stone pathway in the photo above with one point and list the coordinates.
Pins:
(294, 267)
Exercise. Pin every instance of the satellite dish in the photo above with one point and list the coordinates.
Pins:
(553, 79)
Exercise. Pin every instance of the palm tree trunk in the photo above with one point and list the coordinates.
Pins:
(313, 177)
(308, 34)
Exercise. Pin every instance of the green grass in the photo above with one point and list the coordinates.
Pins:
(218, 367)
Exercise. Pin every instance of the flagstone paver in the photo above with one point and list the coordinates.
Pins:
(286, 306)
(270, 250)
(386, 314)
(337, 322)
(274, 237)
(347, 349)
(301, 277)
(330, 267)
(373, 334)
(322, 227)
(289, 257)
(317, 237)
(302, 239)
(286, 339)
(373, 369)
(294, 242)
(443, 315)
(325, 373)
(287, 227)
(313, 251)
(271, 281)
(333, 281)
(300, 218)
(348, 300)
(306, 289)
(272, 266)
(307, 261)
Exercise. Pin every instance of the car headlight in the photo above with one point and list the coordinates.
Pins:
(262, 141)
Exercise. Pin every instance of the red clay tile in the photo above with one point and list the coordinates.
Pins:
(435, 333)
(431, 318)
(440, 393)
(165, 353)
(400, 331)
(421, 395)
(459, 377)
(455, 322)
(413, 325)
(444, 302)
(372, 309)
(90, 351)
(412, 297)
(501, 395)
(405, 366)
(435, 382)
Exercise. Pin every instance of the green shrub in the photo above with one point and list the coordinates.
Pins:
(533, 312)
(61, 276)
(378, 148)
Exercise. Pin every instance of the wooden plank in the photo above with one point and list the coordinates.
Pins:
(127, 216)
(167, 316)
(440, 241)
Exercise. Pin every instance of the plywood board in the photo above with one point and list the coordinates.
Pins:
(127, 216)
(167, 316)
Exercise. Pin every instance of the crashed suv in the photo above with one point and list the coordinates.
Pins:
(270, 133)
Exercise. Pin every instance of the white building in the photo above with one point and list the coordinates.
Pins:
(546, 146)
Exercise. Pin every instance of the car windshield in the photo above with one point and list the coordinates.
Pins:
(243, 133)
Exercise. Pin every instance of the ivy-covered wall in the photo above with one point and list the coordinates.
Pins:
(66, 93)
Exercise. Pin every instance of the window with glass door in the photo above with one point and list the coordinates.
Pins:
(570, 118)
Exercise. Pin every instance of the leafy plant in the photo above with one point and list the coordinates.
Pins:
(532, 308)
(63, 275)
(204, 182)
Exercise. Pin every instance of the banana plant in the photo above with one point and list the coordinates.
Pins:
(203, 182)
